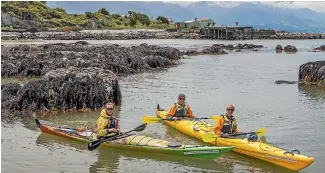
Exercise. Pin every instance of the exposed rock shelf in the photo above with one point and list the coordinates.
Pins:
(312, 73)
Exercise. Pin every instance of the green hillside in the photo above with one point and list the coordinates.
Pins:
(57, 17)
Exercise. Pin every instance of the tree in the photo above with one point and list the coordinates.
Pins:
(116, 16)
(89, 15)
(143, 19)
(60, 10)
(162, 19)
(103, 11)
(133, 21)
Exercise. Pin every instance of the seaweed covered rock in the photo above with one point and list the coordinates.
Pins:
(215, 49)
(312, 73)
(248, 46)
(278, 48)
(67, 89)
(219, 48)
(290, 49)
(8, 93)
(320, 48)
(33, 60)
(285, 82)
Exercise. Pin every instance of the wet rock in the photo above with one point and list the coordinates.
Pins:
(219, 48)
(320, 48)
(285, 82)
(191, 53)
(247, 46)
(290, 49)
(67, 89)
(278, 48)
(312, 73)
(215, 49)
(8, 92)
(230, 47)
(37, 60)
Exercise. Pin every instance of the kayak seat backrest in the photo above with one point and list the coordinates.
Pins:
(146, 141)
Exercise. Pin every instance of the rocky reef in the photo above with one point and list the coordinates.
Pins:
(63, 89)
(29, 60)
(312, 73)
(138, 34)
(219, 49)
(75, 76)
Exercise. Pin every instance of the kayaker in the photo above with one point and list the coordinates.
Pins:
(180, 109)
(107, 123)
(227, 123)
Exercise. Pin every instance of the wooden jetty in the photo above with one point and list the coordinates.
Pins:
(227, 32)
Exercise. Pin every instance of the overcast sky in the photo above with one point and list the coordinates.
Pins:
(318, 6)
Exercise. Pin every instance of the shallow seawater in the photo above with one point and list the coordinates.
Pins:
(294, 115)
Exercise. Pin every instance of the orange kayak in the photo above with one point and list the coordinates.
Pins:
(140, 143)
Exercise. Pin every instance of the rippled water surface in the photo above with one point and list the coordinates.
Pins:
(293, 115)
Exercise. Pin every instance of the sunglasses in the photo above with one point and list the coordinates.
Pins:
(181, 98)
(109, 109)
(230, 109)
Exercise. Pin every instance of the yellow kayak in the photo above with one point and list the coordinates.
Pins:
(263, 151)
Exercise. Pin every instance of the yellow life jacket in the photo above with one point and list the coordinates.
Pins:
(228, 125)
(181, 110)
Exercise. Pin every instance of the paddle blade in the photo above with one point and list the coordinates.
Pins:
(37, 123)
(93, 145)
(261, 132)
(215, 117)
(140, 128)
(150, 119)
(209, 137)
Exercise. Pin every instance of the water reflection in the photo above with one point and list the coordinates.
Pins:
(114, 160)
(312, 91)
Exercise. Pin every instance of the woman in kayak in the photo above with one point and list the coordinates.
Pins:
(180, 109)
(107, 123)
(227, 123)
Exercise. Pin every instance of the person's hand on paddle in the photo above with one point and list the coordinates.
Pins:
(225, 135)
(112, 130)
(196, 118)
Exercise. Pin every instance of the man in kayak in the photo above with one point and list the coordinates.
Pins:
(180, 109)
(226, 124)
(107, 123)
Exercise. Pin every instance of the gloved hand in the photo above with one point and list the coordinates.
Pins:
(170, 119)
(196, 118)
(224, 135)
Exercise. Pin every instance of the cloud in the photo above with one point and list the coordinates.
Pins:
(318, 6)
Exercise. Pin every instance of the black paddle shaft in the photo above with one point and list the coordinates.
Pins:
(93, 145)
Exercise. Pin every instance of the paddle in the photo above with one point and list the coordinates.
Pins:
(94, 144)
(209, 137)
(153, 119)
